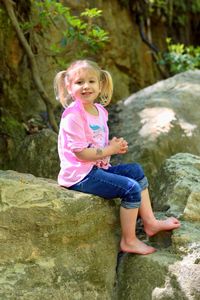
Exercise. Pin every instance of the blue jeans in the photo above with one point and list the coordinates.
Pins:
(125, 181)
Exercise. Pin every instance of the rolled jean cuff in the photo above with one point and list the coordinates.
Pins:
(130, 204)
(143, 183)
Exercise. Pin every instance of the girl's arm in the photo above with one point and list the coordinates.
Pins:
(116, 146)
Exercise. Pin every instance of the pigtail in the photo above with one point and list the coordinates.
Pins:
(60, 89)
(107, 87)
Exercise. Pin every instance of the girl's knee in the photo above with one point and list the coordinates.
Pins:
(141, 178)
(138, 170)
(132, 198)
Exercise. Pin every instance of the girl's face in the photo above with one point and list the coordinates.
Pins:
(84, 85)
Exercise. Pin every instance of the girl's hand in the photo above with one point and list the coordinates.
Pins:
(116, 146)
(119, 145)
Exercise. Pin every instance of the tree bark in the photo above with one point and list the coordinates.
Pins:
(155, 52)
(33, 65)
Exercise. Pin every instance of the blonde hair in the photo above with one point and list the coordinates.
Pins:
(62, 79)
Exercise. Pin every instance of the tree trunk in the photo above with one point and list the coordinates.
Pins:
(33, 65)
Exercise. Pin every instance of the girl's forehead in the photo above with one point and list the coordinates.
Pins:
(83, 72)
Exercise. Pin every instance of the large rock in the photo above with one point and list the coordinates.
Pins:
(160, 121)
(173, 272)
(55, 243)
(60, 244)
(37, 154)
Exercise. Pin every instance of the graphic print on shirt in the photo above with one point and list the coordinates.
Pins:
(98, 134)
(100, 139)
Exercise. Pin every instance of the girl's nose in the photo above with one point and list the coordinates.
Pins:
(86, 85)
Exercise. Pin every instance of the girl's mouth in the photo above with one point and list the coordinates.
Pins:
(86, 93)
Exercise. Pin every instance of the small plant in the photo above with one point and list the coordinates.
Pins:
(180, 58)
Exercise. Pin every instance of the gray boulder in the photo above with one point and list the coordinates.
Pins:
(178, 186)
(160, 121)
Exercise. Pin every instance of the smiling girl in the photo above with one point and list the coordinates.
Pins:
(85, 150)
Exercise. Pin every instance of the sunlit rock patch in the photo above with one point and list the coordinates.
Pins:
(159, 120)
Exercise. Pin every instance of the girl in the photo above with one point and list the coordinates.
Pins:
(85, 151)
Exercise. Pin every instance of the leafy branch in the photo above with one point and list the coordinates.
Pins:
(180, 58)
(76, 32)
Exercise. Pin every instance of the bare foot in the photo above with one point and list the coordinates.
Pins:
(161, 225)
(137, 247)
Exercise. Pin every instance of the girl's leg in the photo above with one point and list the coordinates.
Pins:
(151, 224)
(112, 185)
(129, 242)
(108, 185)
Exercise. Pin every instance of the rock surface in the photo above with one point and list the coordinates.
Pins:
(37, 154)
(173, 272)
(55, 243)
(179, 187)
(60, 244)
(160, 121)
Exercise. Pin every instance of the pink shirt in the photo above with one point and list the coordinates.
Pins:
(80, 130)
